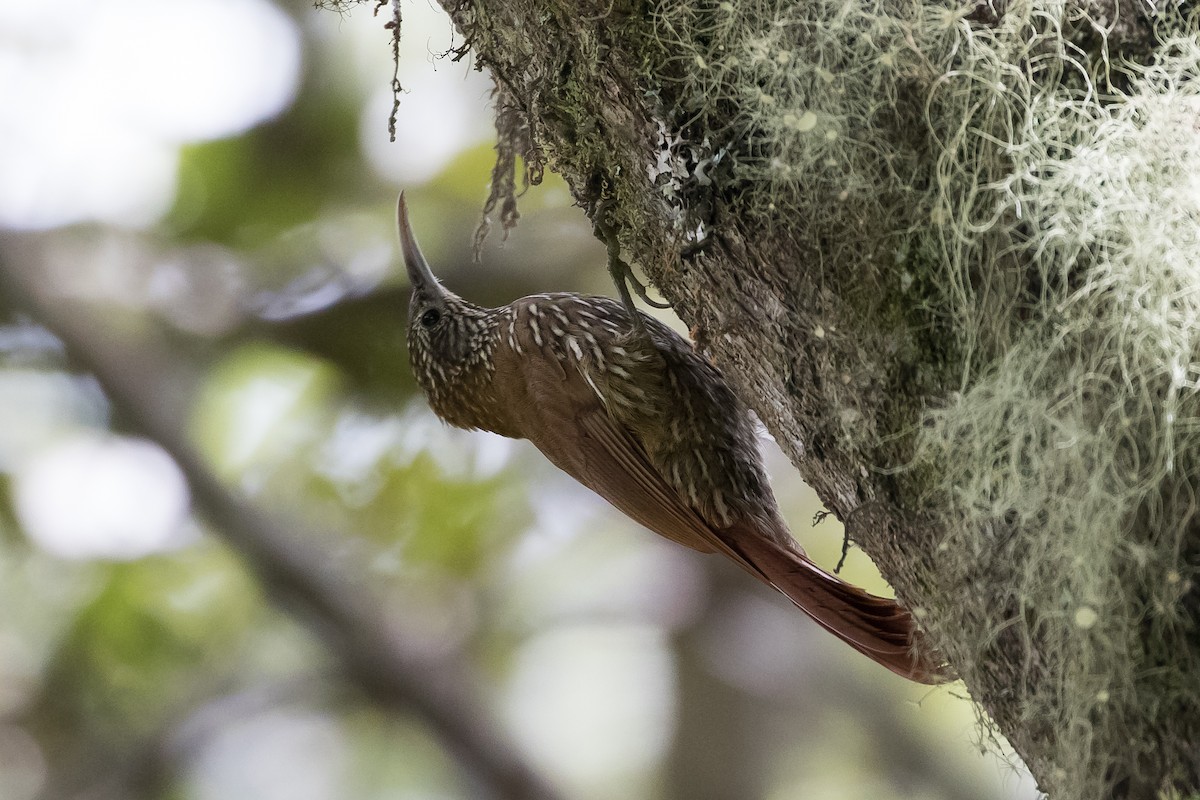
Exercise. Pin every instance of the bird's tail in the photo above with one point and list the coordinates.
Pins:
(879, 628)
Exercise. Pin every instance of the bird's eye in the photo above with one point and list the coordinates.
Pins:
(431, 317)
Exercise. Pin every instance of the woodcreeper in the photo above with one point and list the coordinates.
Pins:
(635, 414)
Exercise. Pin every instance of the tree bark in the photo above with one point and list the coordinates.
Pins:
(845, 314)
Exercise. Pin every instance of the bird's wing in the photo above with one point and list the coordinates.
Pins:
(614, 464)
(572, 428)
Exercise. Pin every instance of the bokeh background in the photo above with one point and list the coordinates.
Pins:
(214, 179)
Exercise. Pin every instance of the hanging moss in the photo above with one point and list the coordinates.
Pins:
(1046, 200)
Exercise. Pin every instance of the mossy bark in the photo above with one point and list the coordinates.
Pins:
(830, 327)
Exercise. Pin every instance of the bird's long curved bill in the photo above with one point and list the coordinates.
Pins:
(419, 274)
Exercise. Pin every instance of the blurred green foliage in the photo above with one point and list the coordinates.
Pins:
(247, 190)
(154, 629)
(260, 404)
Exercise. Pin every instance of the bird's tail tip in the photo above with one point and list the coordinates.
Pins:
(880, 628)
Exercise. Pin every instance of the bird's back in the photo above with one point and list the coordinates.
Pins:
(690, 425)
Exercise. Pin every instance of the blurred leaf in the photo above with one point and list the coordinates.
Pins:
(259, 404)
(244, 191)
(397, 758)
(227, 194)
(454, 524)
(158, 631)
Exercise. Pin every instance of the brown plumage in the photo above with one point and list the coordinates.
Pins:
(634, 414)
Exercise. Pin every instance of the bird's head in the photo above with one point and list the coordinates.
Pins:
(446, 334)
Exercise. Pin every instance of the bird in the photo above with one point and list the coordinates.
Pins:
(629, 409)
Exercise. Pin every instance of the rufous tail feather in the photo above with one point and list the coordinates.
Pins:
(879, 628)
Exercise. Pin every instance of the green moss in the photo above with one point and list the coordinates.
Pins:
(1042, 207)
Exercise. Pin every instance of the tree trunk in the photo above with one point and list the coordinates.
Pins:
(949, 256)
